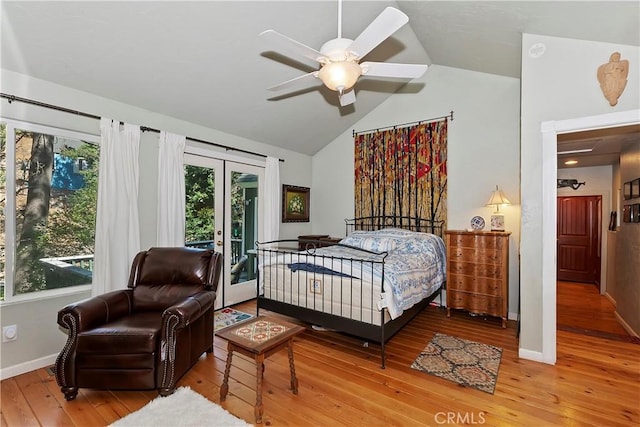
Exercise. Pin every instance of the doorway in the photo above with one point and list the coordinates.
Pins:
(579, 239)
(223, 207)
(550, 131)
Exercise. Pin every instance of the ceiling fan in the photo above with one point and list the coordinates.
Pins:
(339, 58)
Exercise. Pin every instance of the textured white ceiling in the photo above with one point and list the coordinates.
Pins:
(203, 61)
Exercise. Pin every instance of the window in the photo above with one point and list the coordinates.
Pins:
(48, 198)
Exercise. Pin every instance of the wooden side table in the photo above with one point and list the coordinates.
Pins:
(259, 338)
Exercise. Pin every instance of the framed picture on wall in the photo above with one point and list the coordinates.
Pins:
(295, 204)
(626, 213)
(635, 188)
(626, 190)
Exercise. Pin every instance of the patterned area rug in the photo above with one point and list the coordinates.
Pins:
(226, 317)
(465, 362)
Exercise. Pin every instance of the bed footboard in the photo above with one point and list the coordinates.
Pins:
(338, 287)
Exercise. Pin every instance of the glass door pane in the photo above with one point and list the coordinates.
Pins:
(243, 206)
(204, 206)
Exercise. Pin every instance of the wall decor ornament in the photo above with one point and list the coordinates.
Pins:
(613, 221)
(573, 183)
(295, 203)
(402, 171)
(477, 223)
(612, 77)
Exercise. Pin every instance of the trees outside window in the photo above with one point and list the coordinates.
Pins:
(53, 182)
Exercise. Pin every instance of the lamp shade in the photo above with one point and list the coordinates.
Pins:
(497, 198)
(340, 75)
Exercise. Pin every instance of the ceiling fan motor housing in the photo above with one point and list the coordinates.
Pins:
(336, 49)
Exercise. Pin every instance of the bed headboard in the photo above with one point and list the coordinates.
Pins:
(371, 223)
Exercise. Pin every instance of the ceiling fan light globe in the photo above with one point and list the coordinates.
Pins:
(340, 76)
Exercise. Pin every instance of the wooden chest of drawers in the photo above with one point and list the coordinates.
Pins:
(478, 272)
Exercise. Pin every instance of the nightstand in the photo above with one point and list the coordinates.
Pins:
(478, 272)
(317, 241)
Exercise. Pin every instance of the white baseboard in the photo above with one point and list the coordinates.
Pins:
(536, 356)
(626, 326)
(29, 366)
(610, 298)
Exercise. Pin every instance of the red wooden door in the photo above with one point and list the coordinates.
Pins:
(579, 225)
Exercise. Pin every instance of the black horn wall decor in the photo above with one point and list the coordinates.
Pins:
(573, 183)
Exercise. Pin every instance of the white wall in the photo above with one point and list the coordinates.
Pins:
(561, 84)
(39, 338)
(483, 150)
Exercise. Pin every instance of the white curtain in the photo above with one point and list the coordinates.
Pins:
(117, 222)
(171, 190)
(272, 199)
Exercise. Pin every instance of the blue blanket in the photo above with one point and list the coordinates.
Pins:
(313, 268)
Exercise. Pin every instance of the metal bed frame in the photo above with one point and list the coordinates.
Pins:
(379, 333)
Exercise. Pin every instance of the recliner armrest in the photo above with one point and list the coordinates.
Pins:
(190, 309)
(97, 310)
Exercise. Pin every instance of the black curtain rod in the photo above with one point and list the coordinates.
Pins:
(448, 116)
(12, 98)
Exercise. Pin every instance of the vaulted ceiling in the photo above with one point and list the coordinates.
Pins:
(203, 61)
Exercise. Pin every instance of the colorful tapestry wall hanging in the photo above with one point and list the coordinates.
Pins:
(402, 172)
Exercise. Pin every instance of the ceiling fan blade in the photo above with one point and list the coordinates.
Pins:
(292, 45)
(347, 98)
(387, 23)
(391, 69)
(305, 78)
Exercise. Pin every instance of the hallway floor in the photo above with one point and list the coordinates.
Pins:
(581, 309)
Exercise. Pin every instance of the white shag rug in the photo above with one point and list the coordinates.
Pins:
(184, 407)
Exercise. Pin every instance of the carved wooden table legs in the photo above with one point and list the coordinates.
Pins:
(259, 408)
(292, 368)
(259, 358)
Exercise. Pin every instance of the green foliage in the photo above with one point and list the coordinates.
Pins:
(199, 203)
(237, 199)
(71, 229)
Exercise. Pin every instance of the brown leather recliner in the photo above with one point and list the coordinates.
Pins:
(148, 335)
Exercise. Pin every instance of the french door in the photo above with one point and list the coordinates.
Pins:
(223, 208)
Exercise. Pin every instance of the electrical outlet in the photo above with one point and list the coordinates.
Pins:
(9, 333)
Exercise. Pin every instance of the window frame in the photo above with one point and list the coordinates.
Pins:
(10, 208)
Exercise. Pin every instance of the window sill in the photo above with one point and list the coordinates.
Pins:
(45, 295)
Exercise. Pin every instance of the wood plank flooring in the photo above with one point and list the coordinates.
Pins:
(596, 382)
(581, 308)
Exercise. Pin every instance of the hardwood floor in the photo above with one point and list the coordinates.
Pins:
(581, 309)
(595, 382)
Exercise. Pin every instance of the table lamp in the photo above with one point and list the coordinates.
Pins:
(496, 199)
